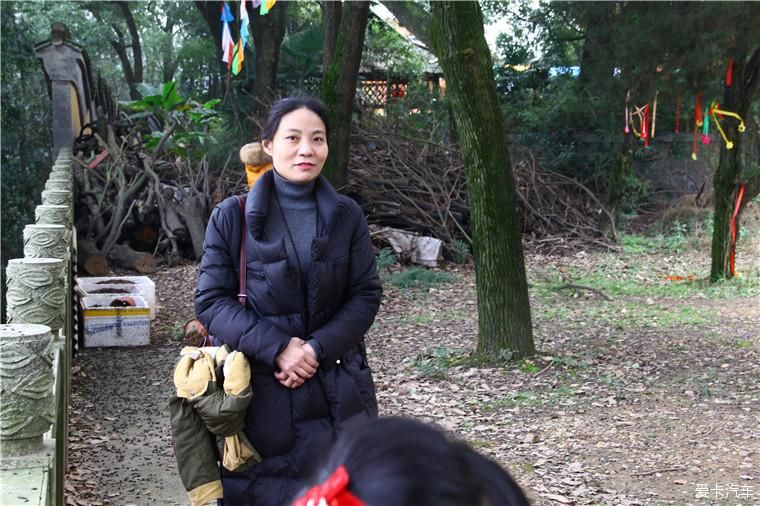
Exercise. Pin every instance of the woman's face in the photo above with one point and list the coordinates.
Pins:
(299, 147)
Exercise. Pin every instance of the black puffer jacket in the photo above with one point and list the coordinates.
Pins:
(292, 428)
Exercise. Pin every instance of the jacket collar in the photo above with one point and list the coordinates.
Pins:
(260, 199)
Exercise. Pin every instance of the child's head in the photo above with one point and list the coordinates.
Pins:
(253, 154)
(404, 462)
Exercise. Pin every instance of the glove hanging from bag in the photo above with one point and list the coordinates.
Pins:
(194, 373)
(204, 411)
(238, 451)
(221, 407)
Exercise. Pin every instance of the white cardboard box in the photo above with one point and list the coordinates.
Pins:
(121, 285)
(106, 325)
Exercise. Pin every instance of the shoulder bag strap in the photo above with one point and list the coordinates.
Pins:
(243, 249)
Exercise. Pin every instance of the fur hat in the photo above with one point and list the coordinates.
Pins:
(253, 154)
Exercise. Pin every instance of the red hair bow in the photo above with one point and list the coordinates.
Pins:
(333, 492)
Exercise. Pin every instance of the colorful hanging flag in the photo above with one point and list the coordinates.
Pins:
(255, 3)
(266, 6)
(243, 23)
(698, 110)
(645, 122)
(731, 257)
(227, 42)
(706, 127)
(238, 56)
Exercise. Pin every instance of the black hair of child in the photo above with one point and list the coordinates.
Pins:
(404, 462)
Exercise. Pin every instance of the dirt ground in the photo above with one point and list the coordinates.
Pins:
(650, 397)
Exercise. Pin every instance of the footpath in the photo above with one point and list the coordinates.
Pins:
(120, 446)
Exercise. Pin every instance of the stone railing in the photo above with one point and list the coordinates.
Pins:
(37, 343)
(36, 347)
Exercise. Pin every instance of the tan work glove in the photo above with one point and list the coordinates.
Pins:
(221, 355)
(237, 373)
(238, 452)
(193, 373)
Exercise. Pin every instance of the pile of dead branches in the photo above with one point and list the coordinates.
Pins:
(557, 212)
(136, 205)
(419, 185)
(410, 184)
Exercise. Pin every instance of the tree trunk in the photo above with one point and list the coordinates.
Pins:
(169, 61)
(268, 32)
(140, 261)
(120, 47)
(133, 71)
(728, 178)
(331, 10)
(134, 34)
(504, 320)
(90, 260)
(339, 88)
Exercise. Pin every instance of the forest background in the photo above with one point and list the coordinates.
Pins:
(562, 70)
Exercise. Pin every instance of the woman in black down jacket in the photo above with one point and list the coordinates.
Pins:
(312, 292)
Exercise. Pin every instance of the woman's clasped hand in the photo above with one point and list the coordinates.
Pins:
(297, 363)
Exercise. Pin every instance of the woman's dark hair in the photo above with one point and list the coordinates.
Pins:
(404, 462)
(288, 105)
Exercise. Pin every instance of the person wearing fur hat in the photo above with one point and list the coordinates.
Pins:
(256, 161)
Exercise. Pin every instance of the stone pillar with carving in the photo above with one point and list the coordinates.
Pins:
(35, 291)
(26, 380)
(53, 215)
(57, 197)
(47, 241)
(58, 184)
(62, 171)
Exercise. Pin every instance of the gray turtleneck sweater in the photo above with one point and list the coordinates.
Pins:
(299, 207)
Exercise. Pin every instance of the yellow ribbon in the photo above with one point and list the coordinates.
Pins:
(715, 111)
(638, 112)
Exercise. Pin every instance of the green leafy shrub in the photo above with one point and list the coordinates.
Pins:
(418, 277)
(385, 258)
(165, 111)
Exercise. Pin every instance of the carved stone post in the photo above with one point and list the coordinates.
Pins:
(62, 173)
(56, 197)
(58, 176)
(47, 241)
(53, 215)
(35, 291)
(53, 241)
(58, 184)
(26, 381)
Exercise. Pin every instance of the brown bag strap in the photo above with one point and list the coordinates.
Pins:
(243, 249)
